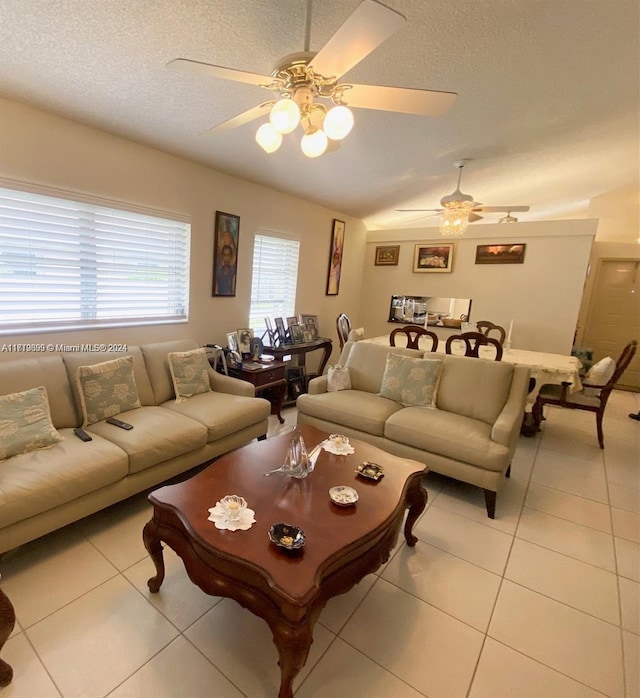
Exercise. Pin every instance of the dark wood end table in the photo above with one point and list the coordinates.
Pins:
(288, 589)
(270, 377)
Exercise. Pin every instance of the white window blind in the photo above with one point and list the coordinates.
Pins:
(274, 279)
(70, 264)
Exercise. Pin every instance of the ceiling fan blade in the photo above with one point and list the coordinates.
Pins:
(502, 209)
(240, 119)
(473, 217)
(362, 32)
(400, 99)
(218, 71)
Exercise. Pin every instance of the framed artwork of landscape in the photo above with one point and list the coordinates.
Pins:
(500, 254)
(387, 255)
(433, 258)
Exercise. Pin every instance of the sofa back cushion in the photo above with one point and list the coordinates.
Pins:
(73, 361)
(156, 358)
(47, 370)
(367, 362)
(476, 388)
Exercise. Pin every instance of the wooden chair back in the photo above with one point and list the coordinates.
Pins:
(487, 327)
(413, 334)
(343, 327)
(473, 341)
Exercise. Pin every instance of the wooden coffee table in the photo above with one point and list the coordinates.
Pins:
(288, 589)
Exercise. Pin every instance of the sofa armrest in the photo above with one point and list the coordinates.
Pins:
(226, 384)
(507, 427)
(317, 385)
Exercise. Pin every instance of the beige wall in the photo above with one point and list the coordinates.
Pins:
(42, 149)
(541, 296)
(618, 214)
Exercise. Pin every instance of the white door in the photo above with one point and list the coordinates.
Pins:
(614, 314)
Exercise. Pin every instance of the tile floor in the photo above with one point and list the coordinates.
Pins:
(541, 602)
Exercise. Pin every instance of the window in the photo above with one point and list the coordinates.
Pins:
(274, 279)
(73, 264)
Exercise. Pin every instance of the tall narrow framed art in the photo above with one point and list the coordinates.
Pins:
(225, 254)
(335, 258)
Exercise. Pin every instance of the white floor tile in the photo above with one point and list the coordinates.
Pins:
(593, 466)
(338, 610)
(631, 644)
(628, 559)
(30, 678)
(568, 538)
(472, 541)
(569, 506)
(90, 646)
(587, 588)
(585, 446)
(449, 583)
(241, 646)
(568, 480)
(504, 672)
(630, 604)
(42, 577)
(343, 671)
(569, 641)
(428, 649)
(178, 670)
(625, 498)
(626, 525)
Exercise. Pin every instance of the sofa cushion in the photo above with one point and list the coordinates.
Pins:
(49, 371)
(222, 414)
(157, 436)
(447, 434)
(73, 360)
(36, 482)
(106, 389)
(189, 372)
(338, 378)
(411, 381)
(25, 423)
(351, 408)
(156, 359)
(367, 362)
(476, 388)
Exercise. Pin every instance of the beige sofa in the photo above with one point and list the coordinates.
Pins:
(470, 435)
(43, 490)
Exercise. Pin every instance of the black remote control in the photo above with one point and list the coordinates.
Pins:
(82, 434)
(119, 423)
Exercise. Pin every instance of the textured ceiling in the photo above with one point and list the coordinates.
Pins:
(547, 108)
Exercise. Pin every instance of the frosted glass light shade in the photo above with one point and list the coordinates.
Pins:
(338, 122)
(314, 144)
(268, 138)
(284, 115)
(454, 222)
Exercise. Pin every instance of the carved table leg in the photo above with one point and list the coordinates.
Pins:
(293, 644)
(417, 501)
(7, 622)
(154, 548)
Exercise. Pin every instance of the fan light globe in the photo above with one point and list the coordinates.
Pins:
(453, 222)
(285, 115)
(268, 138)
(314, 144)
(338, 122)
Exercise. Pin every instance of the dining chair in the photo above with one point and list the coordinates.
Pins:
(413, 334)
(473, 341)
(486, 327)
(592, 398)
(343, 326)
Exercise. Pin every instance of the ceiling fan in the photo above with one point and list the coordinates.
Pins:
(457, 204)
(305, 81)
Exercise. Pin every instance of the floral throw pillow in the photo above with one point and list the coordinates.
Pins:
(411, 381)
(106, 389)
(189, 372)
(25, 423)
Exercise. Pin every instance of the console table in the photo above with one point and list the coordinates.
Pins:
(301, 350)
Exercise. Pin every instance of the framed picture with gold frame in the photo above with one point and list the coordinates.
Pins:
(387, 255)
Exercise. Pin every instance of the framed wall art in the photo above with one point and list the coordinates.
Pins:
(387, 255)
(433, 258)
(335, 258)
(225, 254)
(500, 254)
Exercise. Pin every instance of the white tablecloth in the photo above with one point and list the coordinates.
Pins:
(545, 368)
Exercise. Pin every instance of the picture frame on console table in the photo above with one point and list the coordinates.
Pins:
(245, 335)
(433, 258)
(309, 327)
(225, 254)
(335, 258)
